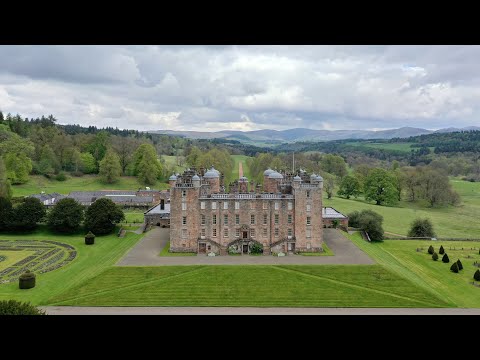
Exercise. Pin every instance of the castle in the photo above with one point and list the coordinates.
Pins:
(283, 217)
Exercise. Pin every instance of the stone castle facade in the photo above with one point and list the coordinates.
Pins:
(285, 216)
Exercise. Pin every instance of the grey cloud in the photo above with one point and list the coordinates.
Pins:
(244, 87)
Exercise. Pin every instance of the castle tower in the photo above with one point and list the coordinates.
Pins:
(243, 185)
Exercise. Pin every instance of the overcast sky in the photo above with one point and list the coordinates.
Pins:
(210, 88)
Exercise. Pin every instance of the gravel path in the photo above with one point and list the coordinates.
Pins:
(145, 253)
(240, 169)
(73, 310)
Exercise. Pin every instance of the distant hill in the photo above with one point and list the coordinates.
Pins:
(302, 134)
(298, 134)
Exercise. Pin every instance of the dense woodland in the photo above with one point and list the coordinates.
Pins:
(386, 176)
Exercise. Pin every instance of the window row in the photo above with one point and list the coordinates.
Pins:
(252, 232)
(203, 219)
(252, 205)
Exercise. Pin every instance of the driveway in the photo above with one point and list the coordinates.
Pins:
(145, 253)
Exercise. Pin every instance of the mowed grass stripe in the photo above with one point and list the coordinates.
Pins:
(124, 283)
(430, 300)
(263, 286)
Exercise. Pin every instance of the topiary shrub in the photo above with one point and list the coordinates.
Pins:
(445, 258)
(89, 238)
(14, 307)
(421, 228)
(435, 256)
(459, 264)
(256, 249)
(476, 276)
(454, 267)
(441, 251)
(26, 280)
(431, 250)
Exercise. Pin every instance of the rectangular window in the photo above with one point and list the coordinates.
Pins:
(290, 205)
(203, 219)
(202, 232)
(309, 233)
(225, 219)
(252, 205)
(309, 245)
(225, 232)
(184, 220)
(309, 220)
(214, 205)
(184, 193)
(289, 232)
(265, 219)
(214, 232)
(309, 207)
(276, 232)
(265, 205)
(237, 233)
(184, 233)
(252, 232)
(289, 218)
(252, 219)
(277, 205)
(214, 219)
(276, 219)
(202, 205)
(237, 219)
(225, 205)
(184, 206)
(308, 193)
(264, 232)
(237, 205)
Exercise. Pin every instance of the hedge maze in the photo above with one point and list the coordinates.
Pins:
(45, 256)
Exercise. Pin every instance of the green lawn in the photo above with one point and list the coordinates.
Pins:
(134, 216)
(263, 286)
(459, 221)
(91, 260)
(12, 257)
(165, 252)
(172, 161)
(405, 147)
(401, 257)
(246, 170)
(38, 183)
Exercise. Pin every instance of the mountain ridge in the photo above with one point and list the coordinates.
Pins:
(304, 134)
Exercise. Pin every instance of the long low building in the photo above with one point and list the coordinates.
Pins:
(140, 198)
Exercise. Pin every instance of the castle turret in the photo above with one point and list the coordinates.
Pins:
(212, 176)
(196, 181)
(272, 184)
(243, 185)
(172, 180)
(297, 180)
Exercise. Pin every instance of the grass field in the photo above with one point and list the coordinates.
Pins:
(165, 252)
(459, 221)
(401, 257)
(326, 252)
(172, 161)
(91, 260)
(38, 183)
(246, 170)
(405, 147)
(263, 286)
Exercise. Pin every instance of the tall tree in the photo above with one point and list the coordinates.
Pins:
(328, 184)
(102, 216)
(350, 186)
(98, 147)
(381, 187)
(18, 167)
(146, 164)
(48, 161)
(110, 168)
(125, 147)
(28, 214)
(66, 216)
(334, 164)
(5, 188)
(88, 165)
